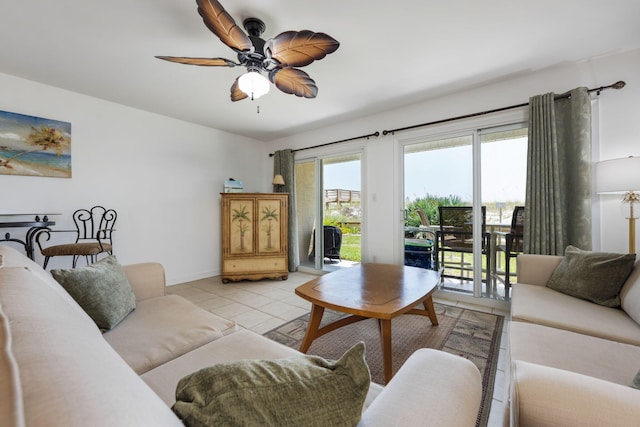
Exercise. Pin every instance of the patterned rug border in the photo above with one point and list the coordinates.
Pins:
(490, 370)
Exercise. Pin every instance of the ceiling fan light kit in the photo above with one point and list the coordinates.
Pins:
(278, 57)
(253, 84)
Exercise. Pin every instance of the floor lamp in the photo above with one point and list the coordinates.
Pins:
(621, 176)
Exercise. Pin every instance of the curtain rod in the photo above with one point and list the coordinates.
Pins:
(376, 134)
(617, 85)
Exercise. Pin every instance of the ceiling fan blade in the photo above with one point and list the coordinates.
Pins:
(294, 81)
(300, 48)
(236, 93)
(222, 25)
(207, 62)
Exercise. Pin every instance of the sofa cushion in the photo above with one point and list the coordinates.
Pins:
(596, 357)
(433, 388)
(11, 410)
(163, 328)
(68, 374)
(243, 344)
(302, 390)
(545, 396)
(101, 289)
(593, 276)
(544, 306)
(630, 294)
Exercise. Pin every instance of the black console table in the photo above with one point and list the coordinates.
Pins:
(32, 222)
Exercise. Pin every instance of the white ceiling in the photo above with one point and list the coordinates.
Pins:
(392, 53)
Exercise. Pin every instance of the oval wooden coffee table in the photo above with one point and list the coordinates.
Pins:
(378, 291)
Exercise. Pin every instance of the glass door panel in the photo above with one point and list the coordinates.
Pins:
(439, 173)
(504, 173)
(329, 210)
(342, 211)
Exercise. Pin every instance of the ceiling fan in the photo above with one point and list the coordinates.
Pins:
(277, 57)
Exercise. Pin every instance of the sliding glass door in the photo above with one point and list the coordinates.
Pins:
(503, 178)
(460, 192)
(438, 182)
(329, 209)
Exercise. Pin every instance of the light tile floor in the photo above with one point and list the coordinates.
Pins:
(266, 304)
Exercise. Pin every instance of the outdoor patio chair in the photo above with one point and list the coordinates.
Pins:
(332, 243)
(425, 226)
(456, 236)
(512, 242)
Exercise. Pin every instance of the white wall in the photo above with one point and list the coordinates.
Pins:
(617, 116)
(163, 176)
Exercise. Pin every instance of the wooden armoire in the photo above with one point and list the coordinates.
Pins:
(254, 236)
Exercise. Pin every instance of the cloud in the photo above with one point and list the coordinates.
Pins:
(11, 135)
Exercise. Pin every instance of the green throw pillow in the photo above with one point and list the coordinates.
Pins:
(299, 391)
(593, 276)
(101, 289)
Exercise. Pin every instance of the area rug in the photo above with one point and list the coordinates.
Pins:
(467, 333)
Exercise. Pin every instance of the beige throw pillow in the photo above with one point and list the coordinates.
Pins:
(593, 276)
(299, 391)
(101, 289)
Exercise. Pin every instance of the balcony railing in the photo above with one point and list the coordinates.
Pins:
(340, 197)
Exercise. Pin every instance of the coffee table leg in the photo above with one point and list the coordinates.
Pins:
(428, 305)
(312, 328)
(385, 342)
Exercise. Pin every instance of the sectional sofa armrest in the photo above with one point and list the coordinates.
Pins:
(432, 388)
(536, 269)
(544, 396)
(147, 279)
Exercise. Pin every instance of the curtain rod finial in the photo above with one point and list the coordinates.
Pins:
(619, 84)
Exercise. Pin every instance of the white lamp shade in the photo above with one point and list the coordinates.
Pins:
(253, 84)
(278, 180)
(618, 175)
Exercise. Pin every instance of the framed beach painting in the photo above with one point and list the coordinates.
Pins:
(34, 146)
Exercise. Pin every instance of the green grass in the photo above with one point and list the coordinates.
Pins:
(452, 259)
(350, 248)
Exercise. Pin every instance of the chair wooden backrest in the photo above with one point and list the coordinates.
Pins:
(456, 227)
(424, 219)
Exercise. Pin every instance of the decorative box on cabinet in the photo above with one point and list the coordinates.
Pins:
(254, 236)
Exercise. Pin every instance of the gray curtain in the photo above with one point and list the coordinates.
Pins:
(283, 164)
(558, 188)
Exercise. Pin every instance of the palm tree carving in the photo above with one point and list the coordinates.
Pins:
(269, 214)
(241, 215)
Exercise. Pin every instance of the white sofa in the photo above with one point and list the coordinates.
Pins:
(58, 369)
(572, 361)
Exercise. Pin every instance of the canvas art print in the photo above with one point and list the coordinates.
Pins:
(34, 146)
